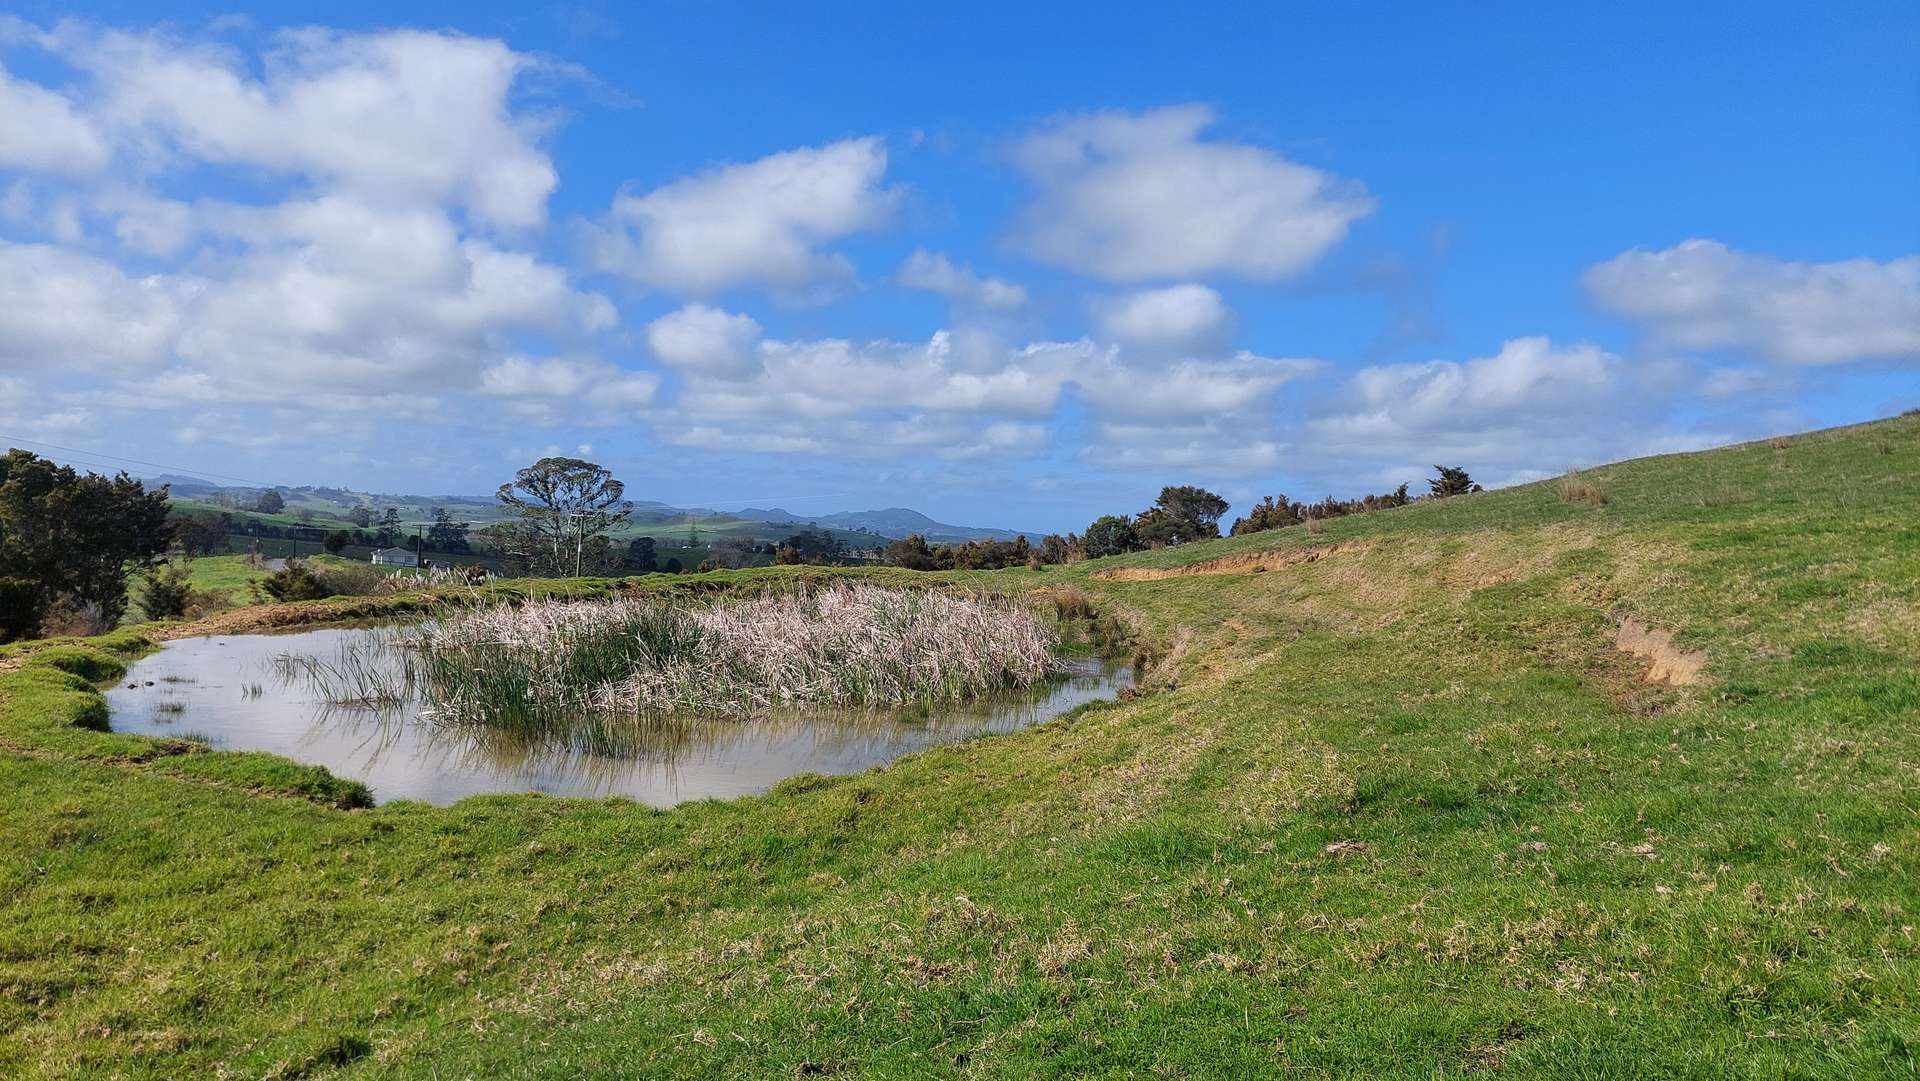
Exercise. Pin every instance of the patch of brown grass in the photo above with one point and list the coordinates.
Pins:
(1671, 664)
(1575, 488)
(1063, 950)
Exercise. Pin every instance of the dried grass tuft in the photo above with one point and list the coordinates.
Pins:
(1575, 488)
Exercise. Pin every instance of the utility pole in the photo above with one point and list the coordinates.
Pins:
(579, 540)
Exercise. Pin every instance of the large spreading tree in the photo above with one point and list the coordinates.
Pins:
(563, 506)
(1183, 513)
(73, 538)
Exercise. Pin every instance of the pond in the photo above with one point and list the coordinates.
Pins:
(229, 691)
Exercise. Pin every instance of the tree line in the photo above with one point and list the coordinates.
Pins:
(1181, 514)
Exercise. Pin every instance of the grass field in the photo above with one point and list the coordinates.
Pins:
(675, 535)
(1394, 805)
(230, 579)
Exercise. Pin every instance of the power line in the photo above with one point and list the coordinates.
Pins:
(134, 461)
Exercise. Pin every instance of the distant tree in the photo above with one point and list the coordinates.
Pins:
(1452, 481)
(446, 534)
(731, 552)
(514, 544)
(598, 556)
(565, 501)
(1275, 512)
(641, 557)
(814, 546)
(914, 553)
(360, 516)
(270, 502)
(986, 554)
(389, 527)
(1110, 535)
(71, 539)
(673, 565)
(1272, 512)
(1182, 513)
(200, 533)
(337, 541)
(1052, 549)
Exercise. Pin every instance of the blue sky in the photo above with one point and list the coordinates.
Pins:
(1008, 264)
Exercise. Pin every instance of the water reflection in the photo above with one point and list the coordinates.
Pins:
(230, 691)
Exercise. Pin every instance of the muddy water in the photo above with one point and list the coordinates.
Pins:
(228, 691)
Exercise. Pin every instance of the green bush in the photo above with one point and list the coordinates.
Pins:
(166, 592)
(295, 582)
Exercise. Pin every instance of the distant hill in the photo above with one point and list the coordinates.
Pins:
(891, 523)
(183, 486)
(894, 522)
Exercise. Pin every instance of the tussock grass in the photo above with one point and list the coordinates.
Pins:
(1070, 602)
(1575, 488)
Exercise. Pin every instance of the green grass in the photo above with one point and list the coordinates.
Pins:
(228, 575)
(1400, 811)
(228, 580)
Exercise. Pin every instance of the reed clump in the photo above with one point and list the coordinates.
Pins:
(844, 645)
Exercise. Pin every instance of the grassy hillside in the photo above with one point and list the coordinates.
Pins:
(678, 536)
(1393, 805)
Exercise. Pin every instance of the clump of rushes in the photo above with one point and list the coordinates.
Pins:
(850, 645)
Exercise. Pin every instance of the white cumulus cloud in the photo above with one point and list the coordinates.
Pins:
(705, 339)
(1528, 411)
(758, 223)
(935, 273)
(1702, 294)
(41, 131)
(1135, 196)
(1179, 318)
(402, 114)
(64, 309)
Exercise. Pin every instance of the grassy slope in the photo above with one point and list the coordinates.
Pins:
(328, 514)
(1553, 868)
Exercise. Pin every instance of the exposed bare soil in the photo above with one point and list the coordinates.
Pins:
(1245, 563)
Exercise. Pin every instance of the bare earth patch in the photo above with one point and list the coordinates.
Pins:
(1245, 563)
(1671, 664)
